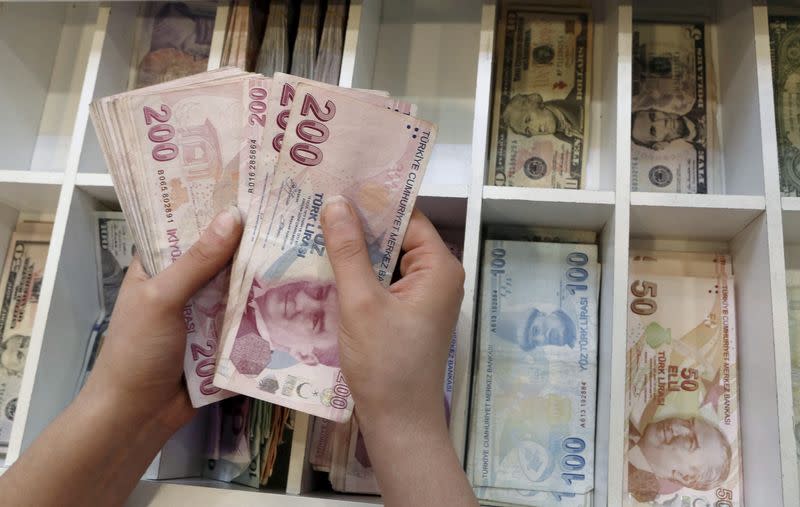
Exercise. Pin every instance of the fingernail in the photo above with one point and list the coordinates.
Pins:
(337, 210)
(226, 221)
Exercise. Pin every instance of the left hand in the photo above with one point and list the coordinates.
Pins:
(141, 362)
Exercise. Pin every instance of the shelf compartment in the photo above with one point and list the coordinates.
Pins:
(692, 216)
(547, 207)
(425, 52)
(45, 47)
(732, 70)
(760, 448)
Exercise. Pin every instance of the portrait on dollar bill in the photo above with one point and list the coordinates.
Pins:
(12, 354)
(541, 99)
(670, 108)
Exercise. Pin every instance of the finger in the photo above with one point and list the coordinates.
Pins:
(136, 273)
(203, 260)
(347, 250)
(422, 245)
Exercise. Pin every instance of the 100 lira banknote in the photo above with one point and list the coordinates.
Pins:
(541, 103)
(283, 346)
(672, 110)
(682, 390)
(535, 388)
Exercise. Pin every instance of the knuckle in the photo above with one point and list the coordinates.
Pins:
(153, 295)
(346, 249)
(201, 252)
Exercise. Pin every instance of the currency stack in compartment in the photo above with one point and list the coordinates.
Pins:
(301, 37)
(20, 284)
(689, 130)
(532, 420)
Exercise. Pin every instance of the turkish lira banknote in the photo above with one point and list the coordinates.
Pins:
(672, 120)
(285, 346)
(541, 98)
(682, 387)
(20, 284)
(783, 33)
(173, 40)
(533, 421)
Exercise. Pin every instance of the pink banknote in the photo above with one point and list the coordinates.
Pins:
(285, 347)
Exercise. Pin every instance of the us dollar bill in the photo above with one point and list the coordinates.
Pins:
(534, 395)
(541, 99)
(20, 285)
(115, 250)
(783, 35)
(671, 109)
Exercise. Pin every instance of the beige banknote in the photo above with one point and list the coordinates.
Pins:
(682, 390)
(541, 102)
(285, 346)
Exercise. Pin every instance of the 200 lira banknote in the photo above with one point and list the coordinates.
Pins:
(284, 344)
(541, 102)
(682, 389)
(673, 109)
(535, 389)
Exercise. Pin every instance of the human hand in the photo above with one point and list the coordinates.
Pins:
(141, 362)
(393, 343)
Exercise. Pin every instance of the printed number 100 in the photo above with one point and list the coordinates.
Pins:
(573, 462)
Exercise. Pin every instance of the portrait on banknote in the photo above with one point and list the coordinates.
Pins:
(533, 327)
(682, 394)
(541, 99)
(670, 108)
(294, 321)
(173, 40)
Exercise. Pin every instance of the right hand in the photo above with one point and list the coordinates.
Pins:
(393, 343)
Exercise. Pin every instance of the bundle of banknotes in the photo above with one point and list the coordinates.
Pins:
(682, 388)
(541, 98)
(293, 41)
(532, 424)
(248, 442)
(674, 143)
(20, 283)
(183, 151)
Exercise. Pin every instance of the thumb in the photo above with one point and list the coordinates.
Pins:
(205, 258)
(347, 250)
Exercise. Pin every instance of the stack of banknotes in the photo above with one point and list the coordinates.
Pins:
(682, 388)
(183, 151)
(248, 442)
(532, 424)
(303, 38)
(20, 283)
(783, 32)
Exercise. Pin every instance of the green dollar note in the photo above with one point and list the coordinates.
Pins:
(784, 32)
(670, 109)
(539, 128)
(534, 417)
(682, 390)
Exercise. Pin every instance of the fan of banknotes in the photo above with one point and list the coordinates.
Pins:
(277, 149)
